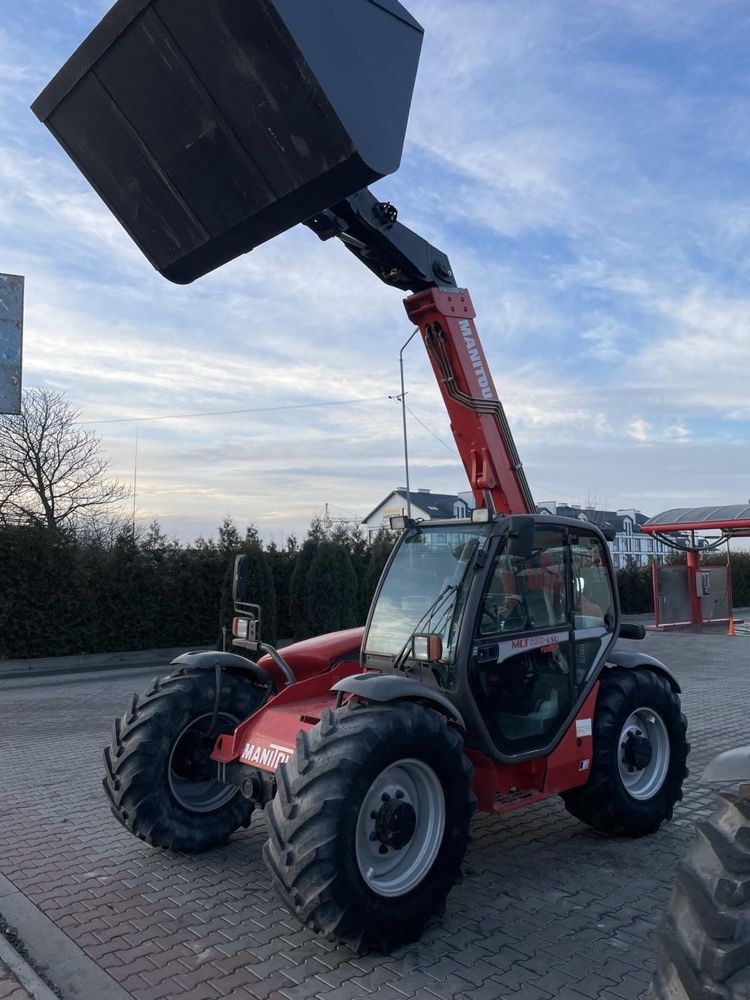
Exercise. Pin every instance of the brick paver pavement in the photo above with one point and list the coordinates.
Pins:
(10, 988)
(547, 908)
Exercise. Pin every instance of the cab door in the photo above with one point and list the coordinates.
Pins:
(543, 624)
(593, 613)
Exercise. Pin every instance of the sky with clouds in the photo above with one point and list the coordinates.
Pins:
(585, 165)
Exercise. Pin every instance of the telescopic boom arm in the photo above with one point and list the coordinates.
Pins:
(445, 316)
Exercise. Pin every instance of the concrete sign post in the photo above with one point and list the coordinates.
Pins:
(11, 342)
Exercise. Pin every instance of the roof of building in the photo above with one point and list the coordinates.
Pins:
(435, 505)
(603, 518)
(734, 519)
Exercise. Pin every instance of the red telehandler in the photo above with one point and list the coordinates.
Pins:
(487, 674)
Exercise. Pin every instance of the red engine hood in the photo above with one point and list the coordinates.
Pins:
(316, 655)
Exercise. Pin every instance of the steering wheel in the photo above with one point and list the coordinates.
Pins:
(497, 618)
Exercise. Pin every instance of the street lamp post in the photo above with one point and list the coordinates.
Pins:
(403, 417)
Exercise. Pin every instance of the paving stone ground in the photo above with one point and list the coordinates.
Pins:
(547, 907)
(10, 988)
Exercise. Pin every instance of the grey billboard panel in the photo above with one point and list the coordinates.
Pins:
(11, 342)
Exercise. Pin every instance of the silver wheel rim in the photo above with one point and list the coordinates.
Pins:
(645, 782)
(199, 796)
(410, 783)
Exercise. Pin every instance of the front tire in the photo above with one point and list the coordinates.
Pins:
(158, 770)
(639, 757)
(705, 943)
(370, 823)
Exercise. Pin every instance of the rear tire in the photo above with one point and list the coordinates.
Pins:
(622, 796)
(705, 943)
(366, 778)
(158, 768)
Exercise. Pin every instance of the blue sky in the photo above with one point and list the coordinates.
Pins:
(585, 165)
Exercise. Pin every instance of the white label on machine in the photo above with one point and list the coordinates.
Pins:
(583, 765)
(510, 648)
(583, 728)
(266, 757)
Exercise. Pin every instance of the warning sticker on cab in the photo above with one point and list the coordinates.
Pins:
(583, 728)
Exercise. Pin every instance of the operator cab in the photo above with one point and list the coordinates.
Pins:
(511, 618)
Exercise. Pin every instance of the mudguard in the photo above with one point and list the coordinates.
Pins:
(389, 687)
(629, 661)
(211, 659)
(732, 765)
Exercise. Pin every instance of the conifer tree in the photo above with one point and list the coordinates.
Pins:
(332, 593)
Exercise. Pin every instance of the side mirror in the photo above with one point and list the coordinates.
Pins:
(239, 581)
(427, 648)
(629, 630)
(521, 535)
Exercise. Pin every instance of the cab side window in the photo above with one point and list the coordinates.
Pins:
(527, 593)
(593, 602)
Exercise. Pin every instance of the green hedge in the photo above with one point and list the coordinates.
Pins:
(634, 586)
(61, 594)
(740, 562)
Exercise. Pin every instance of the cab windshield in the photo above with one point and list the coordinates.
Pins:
(426, 587)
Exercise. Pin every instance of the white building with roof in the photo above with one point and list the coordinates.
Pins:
(425, 506)
(629, 545)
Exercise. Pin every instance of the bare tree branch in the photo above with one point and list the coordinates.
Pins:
(51, 468)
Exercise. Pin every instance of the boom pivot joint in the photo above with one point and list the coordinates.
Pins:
(371, 231)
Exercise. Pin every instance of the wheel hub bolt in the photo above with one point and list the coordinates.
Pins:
(395, 825)
(637, 751)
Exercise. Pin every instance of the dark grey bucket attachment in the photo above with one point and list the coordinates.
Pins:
(210, 126)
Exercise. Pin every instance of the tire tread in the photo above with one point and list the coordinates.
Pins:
(135, 780)
(303, 819)
(705, 940)
(600, 802)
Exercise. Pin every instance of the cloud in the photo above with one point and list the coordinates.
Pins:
(584, 165)
(607, 338)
